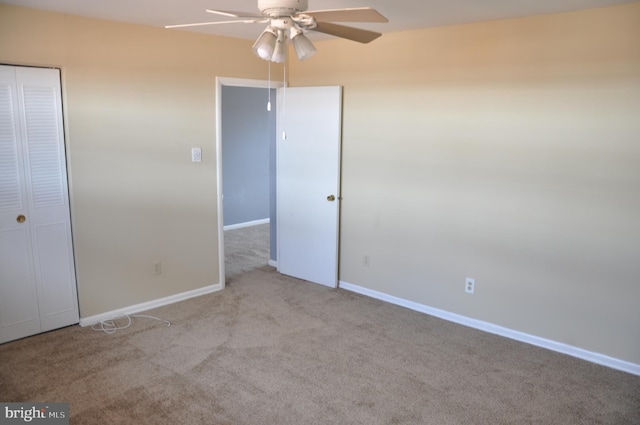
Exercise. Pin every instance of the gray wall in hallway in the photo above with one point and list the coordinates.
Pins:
(248, 156)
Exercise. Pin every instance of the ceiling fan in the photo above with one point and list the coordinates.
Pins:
(290, 20)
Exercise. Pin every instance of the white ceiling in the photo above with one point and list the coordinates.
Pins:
(402, 14)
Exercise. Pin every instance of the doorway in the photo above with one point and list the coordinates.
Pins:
(305, 242)
(246, 172)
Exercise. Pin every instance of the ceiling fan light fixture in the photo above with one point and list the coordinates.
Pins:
(266, 44)
(302, 45)
(290, 20)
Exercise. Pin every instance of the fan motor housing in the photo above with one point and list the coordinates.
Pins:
(280, 8)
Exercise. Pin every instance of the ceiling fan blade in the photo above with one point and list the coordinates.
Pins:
(350, 33)
(357, 14)
(198, 24)
(233, 14)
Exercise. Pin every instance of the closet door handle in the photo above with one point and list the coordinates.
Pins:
(21, 218)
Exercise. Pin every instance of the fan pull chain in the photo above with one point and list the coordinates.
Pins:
(284, 104)
(269, 90)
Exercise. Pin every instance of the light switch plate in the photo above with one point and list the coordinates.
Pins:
(196, 154)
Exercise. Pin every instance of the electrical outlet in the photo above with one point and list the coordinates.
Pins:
(470, 285)
(365, 261)
(157, 268)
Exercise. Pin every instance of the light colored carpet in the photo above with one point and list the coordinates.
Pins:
(245, 249)
(276, 350)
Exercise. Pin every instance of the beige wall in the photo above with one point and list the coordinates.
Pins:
(506, 151)
(136, 100)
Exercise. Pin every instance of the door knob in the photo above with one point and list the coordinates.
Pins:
(331, 198)
(21, 218)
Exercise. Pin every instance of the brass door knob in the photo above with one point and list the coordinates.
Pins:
(21, 218)
(331, 198)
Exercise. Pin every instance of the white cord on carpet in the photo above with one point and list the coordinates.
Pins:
(109, 326)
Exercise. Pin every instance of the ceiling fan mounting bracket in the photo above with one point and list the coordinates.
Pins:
(282, 8)
(305, 22)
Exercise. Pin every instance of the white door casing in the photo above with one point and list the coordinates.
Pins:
(308, 182)
(38, 284)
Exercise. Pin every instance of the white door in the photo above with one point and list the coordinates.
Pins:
(37, 276)
(308, 183)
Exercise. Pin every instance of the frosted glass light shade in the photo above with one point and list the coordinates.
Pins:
(280, 52)
(266, 44)
(303, 47)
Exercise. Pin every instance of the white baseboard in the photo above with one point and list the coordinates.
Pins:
(247, 224)
(133, 309)
(273, 263)
(580, 353)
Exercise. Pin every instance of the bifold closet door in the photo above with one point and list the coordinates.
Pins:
(37, 276)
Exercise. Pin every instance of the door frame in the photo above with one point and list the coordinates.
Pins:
(232, 82)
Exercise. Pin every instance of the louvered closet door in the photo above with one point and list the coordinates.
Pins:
(38, 289)
(19, 315)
